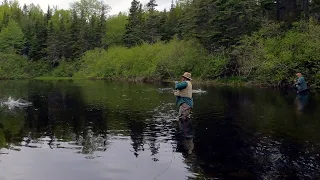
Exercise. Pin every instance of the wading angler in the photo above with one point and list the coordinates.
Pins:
(183, 95)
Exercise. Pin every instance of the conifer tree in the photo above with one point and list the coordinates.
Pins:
(133, 35)
(152, 23)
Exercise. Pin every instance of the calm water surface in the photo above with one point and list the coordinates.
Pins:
(99, 130)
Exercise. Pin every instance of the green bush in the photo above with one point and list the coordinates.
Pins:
(273, 57)
(157, 61)
(13, 66)
(37, 68)
(65, 69)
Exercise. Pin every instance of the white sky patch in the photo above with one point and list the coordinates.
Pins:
(116, 5)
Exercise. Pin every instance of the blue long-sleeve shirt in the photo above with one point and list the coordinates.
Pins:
(301, 84)
(180, 100)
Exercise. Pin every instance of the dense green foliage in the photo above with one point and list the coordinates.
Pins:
(11, 38)
(116, 29)
(272, 56)
(260, 41)
(15, 66)
(53, 35)
(151, 61)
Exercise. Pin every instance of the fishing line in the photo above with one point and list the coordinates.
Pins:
(173, 157)
(169, 74)
(161, 65)
(279, 64)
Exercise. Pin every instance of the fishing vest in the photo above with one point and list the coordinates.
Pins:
(186, 92)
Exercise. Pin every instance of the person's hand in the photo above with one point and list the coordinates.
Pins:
(175, 93)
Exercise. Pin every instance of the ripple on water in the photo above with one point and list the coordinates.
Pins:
(109, 131)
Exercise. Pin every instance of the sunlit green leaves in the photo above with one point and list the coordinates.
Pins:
(156, 61)
(115, 29)
(11, 38)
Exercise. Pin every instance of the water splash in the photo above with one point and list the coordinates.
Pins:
(195, 91)
(198, 91)
(19, 103)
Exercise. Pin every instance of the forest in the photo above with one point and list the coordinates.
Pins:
(263, 42)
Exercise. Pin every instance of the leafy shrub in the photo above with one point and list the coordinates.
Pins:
(157, 61)
(65, 69)
(37, 68)
(13, 66)
(274, 57)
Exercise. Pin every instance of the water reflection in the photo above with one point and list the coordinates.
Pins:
(301, 101)
(186, 135)
(131, 131)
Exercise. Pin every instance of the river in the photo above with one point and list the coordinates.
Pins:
(82, 129)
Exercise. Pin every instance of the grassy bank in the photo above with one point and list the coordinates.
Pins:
(269, 57)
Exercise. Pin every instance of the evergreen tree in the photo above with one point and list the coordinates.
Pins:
(101, 28)
(52, 44)
(16, 12)
(83, 36)
(152, 23)
(315, 9)
(38, 41)
(56, 34)
(222, 23)
(5, 19)
(152, 6)
(48, 15)
(62, 38)
(134, 34)
(169, 23)
(75, 35)
(165, 29)
(92, 32)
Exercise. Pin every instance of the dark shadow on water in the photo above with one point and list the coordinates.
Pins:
(185, 136)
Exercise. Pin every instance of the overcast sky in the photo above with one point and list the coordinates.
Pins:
(116, 5)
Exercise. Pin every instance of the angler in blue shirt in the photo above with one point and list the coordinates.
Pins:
(179, 99)
(301, 84)
(184, 96)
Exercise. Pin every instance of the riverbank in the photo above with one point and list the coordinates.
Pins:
(232, 82)
(260, 60)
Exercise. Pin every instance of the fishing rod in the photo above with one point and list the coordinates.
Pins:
(169, 74)
(279, 64)
(161, 65)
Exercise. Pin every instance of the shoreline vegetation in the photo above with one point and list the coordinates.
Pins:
(251, 45)
(217, 82)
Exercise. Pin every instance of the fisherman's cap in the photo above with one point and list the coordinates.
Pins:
(187, 75)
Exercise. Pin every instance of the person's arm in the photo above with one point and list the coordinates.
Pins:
(299, 82)
(181, 85)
